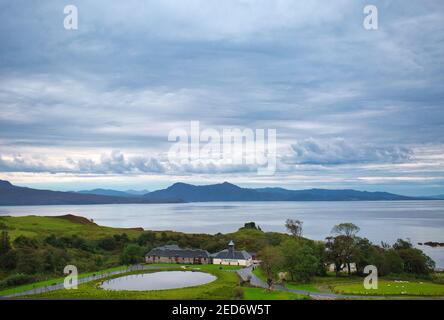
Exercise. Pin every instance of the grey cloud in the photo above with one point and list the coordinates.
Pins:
(135, 70)
(116, 163)
(339, 151)
(18, 163)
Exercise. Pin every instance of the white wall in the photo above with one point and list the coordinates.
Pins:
(232, 262)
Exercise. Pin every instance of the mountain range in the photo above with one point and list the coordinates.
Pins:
(182, 192)
(11, 195)
(230, 192)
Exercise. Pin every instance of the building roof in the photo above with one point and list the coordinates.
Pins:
(172, 251)
(231, 243)
(232, 254)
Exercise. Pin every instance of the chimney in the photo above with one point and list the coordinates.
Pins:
(231, 249)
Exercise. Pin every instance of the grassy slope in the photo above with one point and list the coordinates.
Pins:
(260, 274)
(39, 227)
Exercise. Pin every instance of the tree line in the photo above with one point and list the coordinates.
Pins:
(301, 259)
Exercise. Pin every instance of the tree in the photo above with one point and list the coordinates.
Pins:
(28, 261)
(54, 260)
(271, 261)
(346, 229)
(299, 260)
(25, 242)
(132, 254)
(8, 261)
(339, 251)
(402, 244)
(365, 253)
(392, 262)
(5, 244)
(294, 227)
(148, 237)
(346, 241)
(108, 244)
(414, 260)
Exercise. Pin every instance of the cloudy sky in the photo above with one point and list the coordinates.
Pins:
(352, 108)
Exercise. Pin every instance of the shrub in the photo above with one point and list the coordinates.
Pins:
(16, 280)
(23, 241)
(108, 244)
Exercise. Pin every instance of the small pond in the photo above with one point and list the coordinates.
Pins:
(158, 281)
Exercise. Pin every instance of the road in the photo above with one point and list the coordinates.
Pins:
(247, 274)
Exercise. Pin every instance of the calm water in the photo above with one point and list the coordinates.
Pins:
(386, 221)
(158, 281)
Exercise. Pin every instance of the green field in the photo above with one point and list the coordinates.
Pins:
(264, 294)
(386, 287)
(353, 285)
(50, 282)
(222, 288)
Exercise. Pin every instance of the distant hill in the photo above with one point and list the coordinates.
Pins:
(11, 195)
(112, 193)
(216, 192)
(137, 192)
(181, 192)
(230, 192)
(438, 197)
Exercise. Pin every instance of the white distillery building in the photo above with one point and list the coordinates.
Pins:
(232, 257)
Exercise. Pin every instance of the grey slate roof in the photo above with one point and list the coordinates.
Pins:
(232, 254)
(175, 251)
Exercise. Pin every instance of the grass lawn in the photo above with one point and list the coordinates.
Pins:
(385, 287)
(310, 287)
(50, 282)
(258, 272)
(222, 288)
(263, 294)
(199, 266)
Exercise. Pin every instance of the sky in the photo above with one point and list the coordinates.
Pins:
(352, 108)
